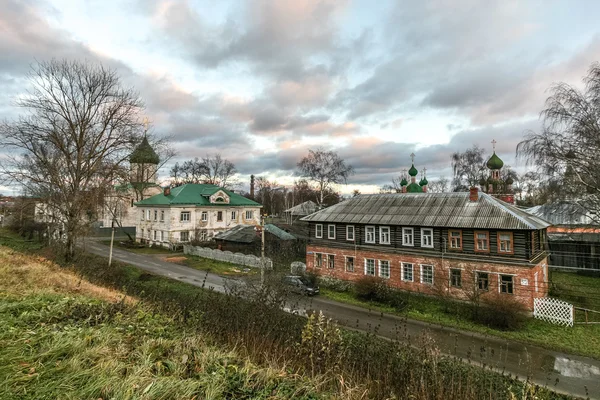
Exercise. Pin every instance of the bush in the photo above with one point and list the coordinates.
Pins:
(371, 288)
(337, 285)
(502, 312)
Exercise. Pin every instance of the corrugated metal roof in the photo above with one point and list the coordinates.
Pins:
(306, 208)
(452, 210)
(280, 233)
(563, 213)
(240, 234)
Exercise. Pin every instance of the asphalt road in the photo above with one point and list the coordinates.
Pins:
(574, 375)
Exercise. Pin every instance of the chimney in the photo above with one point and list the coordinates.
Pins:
(167, 191)
(252, 186)
(473, 194)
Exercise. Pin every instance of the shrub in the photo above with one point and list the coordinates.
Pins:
(337, 285)
(502, 312)
(371, 288)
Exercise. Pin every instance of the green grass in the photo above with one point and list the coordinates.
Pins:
(17, 242)
(218, 267)
(580, 339)
(581, 291)
(141, 250)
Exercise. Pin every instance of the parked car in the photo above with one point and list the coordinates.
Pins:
(301, 285)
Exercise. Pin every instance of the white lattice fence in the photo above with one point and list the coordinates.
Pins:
(553, 310)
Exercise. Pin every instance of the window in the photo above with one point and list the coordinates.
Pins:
(142, 233)
(155, 234)
(184, 216)
(370, 234)
(407, 237)
(233, 215)
(143, 215)
(148, 215)
(427, 274)
(350, 232)
(483, 281)
(330, 231)
(455, 239)
(219, 200)
(426, 237)
(219, 216)
(318, 260)
(155, 215)
(369, 266)
(162, 236)
(204, 216)
(318, 231)
(407, 272)
(384, 235)
(162, 216)
(330, 261)
(249, 214)
(384, 268)
(482, 241)
(505, 242)
(506, 284)
(349, 264)
(456, 278)
(184, 236)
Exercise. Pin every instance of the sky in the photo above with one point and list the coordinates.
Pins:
(262, 82)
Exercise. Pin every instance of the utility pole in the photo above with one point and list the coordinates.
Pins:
(262, 250)
(112, 239)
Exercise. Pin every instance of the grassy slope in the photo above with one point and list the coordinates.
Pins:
(61, 337)
(580, 339)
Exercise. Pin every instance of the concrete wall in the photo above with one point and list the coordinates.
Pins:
(227, 256)
(529, 282)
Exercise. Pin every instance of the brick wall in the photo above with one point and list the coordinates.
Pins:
(528, 282)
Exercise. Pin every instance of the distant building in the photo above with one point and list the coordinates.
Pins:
(300, 210)
(433, 243)
(192, 211)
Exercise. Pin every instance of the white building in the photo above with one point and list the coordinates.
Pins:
(192, 211)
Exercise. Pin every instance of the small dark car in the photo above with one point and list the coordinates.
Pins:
(301, 285)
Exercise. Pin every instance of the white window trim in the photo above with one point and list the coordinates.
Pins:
(317, 231)
(389, 234)
(389, 269)
(432, 274)
(233, 215)
(412, 230)
(422, 235)
(402, 264)
(374, 266)
(249, 214)
(187, 213)
(204, 216)
(329, 236)
(162, 216)
(367, 235)
(348, 230)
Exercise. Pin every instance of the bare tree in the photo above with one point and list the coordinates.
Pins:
(468, 168)
(214, 170)
(567, 149)
(440, 185)
(78, 127)
(325, 168)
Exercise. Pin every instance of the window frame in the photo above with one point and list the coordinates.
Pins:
(374, 267)
(452, 281)
(329, 235)
(430, 236)
(412, 272)
(182, 213)
(249, 214)
(346, 258)
(162, 236)
(317, 234)
(155, 215)
(381, 234)
(389, 269)
(367, 228)
(187, 233)
(476, 240)
(501, 284)
(233, 215)
(219, 216)
(318, 260)
(478, 280)
(330, 261)
(162, 215)
(348, 228)
(460, 238)
(412, 235)
(204, 216)
(143, 215)
(155, 235)
(422, 267)
(511, 241)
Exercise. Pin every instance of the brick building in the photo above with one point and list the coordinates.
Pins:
(455, 244)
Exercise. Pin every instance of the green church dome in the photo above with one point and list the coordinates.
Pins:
(414, 188)
(423, 182)
(144, 154)
(403, 182)
(495, 162)
(413, 171)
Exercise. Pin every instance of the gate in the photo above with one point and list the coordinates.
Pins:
(553, 310)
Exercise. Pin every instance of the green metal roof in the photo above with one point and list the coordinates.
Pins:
(414, 188)
(144, 154)
(196, 194)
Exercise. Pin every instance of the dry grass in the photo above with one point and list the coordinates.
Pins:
(25, 274)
